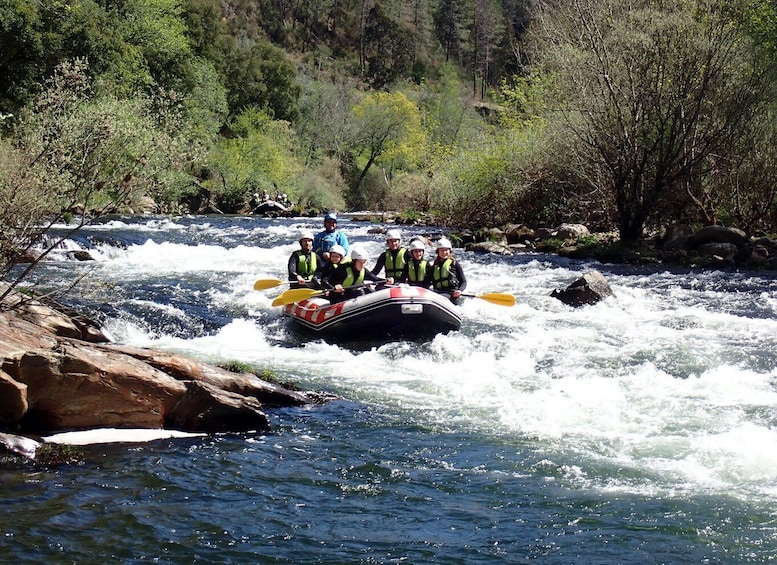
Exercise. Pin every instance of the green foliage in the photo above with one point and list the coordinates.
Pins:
(259, 155)
(387, 132)
(72, 148)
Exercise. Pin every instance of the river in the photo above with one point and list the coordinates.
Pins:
(640, 430)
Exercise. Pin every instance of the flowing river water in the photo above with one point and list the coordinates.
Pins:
(639, 430)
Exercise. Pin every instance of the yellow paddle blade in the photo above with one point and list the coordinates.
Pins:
(295, 295)
(264, 284)
(498, 298)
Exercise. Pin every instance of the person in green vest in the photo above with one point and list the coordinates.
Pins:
(304, 265)
(394, 258)
(445, 274)
(349, 280)
(415, 269)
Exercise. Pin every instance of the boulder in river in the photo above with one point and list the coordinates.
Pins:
(589, 289)
(52, 379)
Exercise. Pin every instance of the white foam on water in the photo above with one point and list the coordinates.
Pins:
(667, 381)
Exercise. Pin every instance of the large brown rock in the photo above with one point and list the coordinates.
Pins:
(13, 400)
(77, 387)
(246, 384)
(205, 408)
(52, 379)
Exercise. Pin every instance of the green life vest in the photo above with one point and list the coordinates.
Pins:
(441, 274)
(416, 270)
(353, 278)
(307, 264)
(395, 264)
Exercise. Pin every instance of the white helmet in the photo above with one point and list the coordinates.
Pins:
(393, 234)
(305, 235)
(417, 244)
(359, 254)
(338, 249)
(444, 243)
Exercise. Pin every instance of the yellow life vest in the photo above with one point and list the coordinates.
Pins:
(353, 278)
(307, 264)
(441, 274)
(395, 264)
(416, 270)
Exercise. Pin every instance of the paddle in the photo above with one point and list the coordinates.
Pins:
(264, 284)
(495, 298)
(296, 295)
(299, 294)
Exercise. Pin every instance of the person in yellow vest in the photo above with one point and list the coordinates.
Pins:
(348, 281)
(393, 259)
(304, 265)
(415, 269)
(445, 274)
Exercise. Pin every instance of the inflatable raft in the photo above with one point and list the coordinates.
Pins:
(400, 312)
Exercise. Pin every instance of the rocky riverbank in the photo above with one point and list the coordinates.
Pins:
(59, 372)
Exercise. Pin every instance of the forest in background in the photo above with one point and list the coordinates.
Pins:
(624, 115)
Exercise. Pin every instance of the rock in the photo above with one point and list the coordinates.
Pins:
(13, 400)
(60, 322)
(518, 234)
(759, 255)
(19, 445)
(80, 255)
(543, 233)
(768, 243)
(718, 234)
(79, 387)
(489, 247)
(587, 290)
(571, 231)
(205, 408)
(722, 250)
(677, 237)
(246, 384)
(51, 379)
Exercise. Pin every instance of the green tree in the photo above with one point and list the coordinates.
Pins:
(389, 48)
(259, 155)
(387, 130)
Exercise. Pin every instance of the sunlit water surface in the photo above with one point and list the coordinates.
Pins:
(639, 430)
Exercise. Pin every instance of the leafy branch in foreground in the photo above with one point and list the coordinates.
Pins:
(71, 150)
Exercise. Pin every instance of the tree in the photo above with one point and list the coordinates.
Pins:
(389, 48)
(650, 90)
(451, 21)
(73, 149)
(259, 155)
(388, 130)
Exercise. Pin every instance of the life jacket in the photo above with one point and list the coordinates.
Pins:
(441, 274)
(416, 271)
(353, 278)
(395, 262)
(307, 264)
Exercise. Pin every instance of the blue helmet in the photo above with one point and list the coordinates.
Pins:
(330, 216)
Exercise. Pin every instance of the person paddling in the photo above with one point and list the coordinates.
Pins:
(394, 258)
(445, 274)
(304, 265)
(329, 237)
(348, 280)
